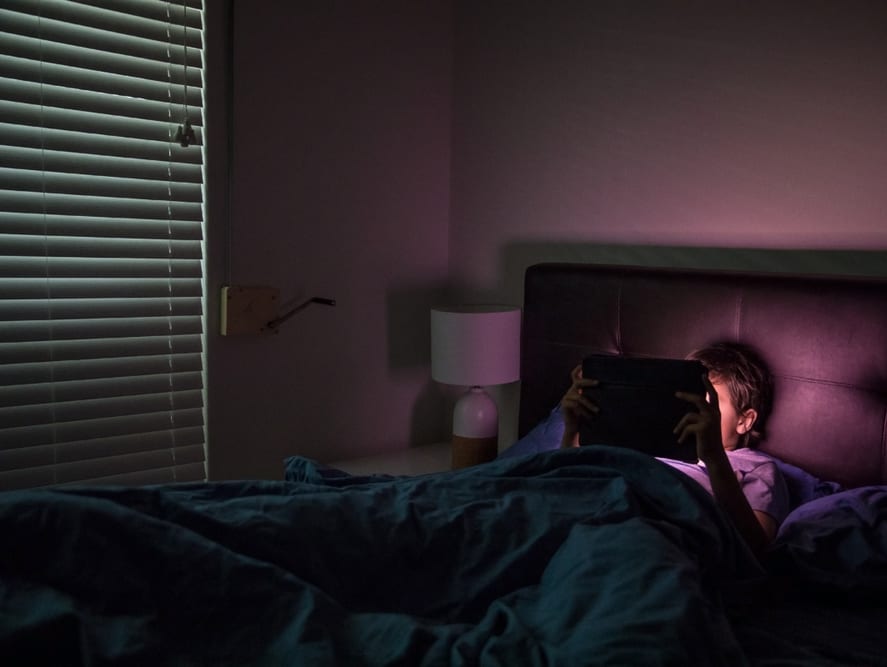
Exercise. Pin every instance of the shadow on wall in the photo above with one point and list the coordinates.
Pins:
(409, 353)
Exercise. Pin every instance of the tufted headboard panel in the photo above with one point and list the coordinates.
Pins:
(824, 337)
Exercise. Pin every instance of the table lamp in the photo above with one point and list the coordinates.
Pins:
(475, 346)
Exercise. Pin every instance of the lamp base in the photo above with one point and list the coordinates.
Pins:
(475, 429)
(471, 451)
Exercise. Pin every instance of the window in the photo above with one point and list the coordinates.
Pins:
(101, 242)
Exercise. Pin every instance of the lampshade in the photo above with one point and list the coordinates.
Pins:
(475, 345)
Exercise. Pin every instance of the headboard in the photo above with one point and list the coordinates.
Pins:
(824, 337)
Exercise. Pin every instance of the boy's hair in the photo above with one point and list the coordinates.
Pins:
(748, 379)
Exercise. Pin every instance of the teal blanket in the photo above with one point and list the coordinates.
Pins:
(595, 556)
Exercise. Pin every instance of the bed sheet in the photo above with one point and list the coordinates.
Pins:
(580, 557)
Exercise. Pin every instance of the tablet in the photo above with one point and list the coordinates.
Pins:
(638, 408)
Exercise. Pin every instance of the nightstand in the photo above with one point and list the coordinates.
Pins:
(408, 461)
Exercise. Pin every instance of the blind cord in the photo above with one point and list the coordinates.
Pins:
(185, 135)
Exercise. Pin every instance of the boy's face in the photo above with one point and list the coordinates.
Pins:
(732, 423)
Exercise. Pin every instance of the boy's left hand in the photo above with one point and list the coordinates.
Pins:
(705, 423)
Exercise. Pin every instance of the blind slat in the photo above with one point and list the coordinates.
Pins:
(80, 246)
(64, 415)
(89, 369)
(170, 474)
(165, 63)
(68, 350)
(32, 181)
(101, 243)
(91, 124)
(134, 19)
(85, 110)
(106, 427)
(158, 467)
(132, 228)
(99, 82)
(129, 464)
(66, 309)
(139, 442)
(73, 287)
(114, 387)
(99, 267)
(83, 139)
(112, 327)
(59, 162)
(37, 456)
(58, 31)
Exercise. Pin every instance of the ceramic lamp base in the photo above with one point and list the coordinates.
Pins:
(475, 429)
(471, 451)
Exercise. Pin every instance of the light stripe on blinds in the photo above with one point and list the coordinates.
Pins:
(101, 243)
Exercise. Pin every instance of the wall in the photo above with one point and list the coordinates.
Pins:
(384, 154)
(647, 122)
(339, 187)
(634, 131)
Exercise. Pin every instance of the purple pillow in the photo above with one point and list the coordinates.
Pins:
(545, 436)
(802, 486)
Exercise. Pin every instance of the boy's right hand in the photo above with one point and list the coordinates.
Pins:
(575, 407)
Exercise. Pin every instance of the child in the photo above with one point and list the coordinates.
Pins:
(726, 424)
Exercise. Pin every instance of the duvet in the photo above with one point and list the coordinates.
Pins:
(594, 556)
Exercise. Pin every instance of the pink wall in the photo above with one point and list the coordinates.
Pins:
(339, 188)
(737, 124)
(386, 152)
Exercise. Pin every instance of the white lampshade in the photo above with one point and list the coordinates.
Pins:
(475, 346)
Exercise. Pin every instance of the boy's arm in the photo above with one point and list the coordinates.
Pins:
(575, 407)
(757, 528)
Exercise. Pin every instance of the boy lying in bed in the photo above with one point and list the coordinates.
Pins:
(744, 482)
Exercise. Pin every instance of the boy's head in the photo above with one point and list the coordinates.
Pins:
(746, 377)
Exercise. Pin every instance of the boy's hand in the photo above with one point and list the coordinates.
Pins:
(705, 424)
(575, 407)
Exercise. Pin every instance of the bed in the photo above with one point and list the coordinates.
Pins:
(597, 555)
(823, 596)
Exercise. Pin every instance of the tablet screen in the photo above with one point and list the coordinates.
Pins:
(638, 408)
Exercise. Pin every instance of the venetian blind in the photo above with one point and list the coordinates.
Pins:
(101, 242)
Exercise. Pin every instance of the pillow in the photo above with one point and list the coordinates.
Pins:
(802, 486)
(838, 541)
(545, 436)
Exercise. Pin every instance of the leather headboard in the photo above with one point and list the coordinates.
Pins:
(824, 338)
